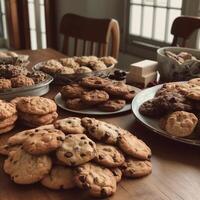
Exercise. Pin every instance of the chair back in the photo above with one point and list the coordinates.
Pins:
(183, 27)
(99, 37)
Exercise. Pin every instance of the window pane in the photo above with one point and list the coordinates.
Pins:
(135, 19)
(147, 22)
(160, 24)
(148, 2)
(31, 12)
(175, 3)
(161, 3)
(4, 26)
(172, 15)
(3, 6)
(42, 19)
(33, 39)
(136, 1)
(44, 41)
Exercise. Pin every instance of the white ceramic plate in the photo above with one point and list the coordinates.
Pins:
(89, 111)
(153, 124)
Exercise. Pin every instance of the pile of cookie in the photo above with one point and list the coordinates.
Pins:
(77, 65)
(15, 76)
(86, 153)
(101, 93)
(32, 111)
(177, 106)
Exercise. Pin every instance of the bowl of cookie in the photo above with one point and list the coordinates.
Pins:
(17, 80)
(70, 69)
(178, 64)
(171, 110)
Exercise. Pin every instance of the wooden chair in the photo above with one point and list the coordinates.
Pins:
(183, 27)
(99, 35)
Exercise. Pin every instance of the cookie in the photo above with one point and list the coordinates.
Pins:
(72, 91)
(117, 88)
(52, 66)
(94, 82)
(59, 178)
(38, 120)
(194, 93)
(36, 105)
(7, 110)
(112, 105)
(94, 97)
(98, 181)
(83, 70)
(97, 65)
(109, 156)
(67, 70)
(133, 168)
(70, 125)
(108, 60)
(132, 146)
(25, 168)
(181, 123)
(21, 81)
(129, 96)
(76, 150)
(83, 60)
(75, 104)
(10, 71)
(195, 81)
(101, 131)
(6, 129)
(6, 149)
(37, 76)
(69, 62)
(42, 141)
(5, 83)
(117, 174)
(8, 121)
(17, 99)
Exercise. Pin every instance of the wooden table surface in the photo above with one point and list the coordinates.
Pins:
(176, 166)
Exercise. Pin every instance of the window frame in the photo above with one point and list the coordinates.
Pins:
(141, 46)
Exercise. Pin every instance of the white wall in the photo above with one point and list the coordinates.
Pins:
(95, 9)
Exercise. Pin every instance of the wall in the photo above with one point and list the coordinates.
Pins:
(96, 9)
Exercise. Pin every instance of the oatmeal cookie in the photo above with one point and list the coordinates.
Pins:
(97, 65)
(70, 125)
(134, 168)
(52, 66)
(7, 110)
(37, 77)
(6, 129)
(25, 168)
(133, 146)
(109, 156)
(5, 83)
(69, 62)
(108, 60)
(8, 121)
(21, 81)
(194, 93)
(181, 123)
(82, 70)
(94, 97)
(99, 181)
(76, 150)
(67, 70)
(59, 178)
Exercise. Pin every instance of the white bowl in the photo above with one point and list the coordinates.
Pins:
(172, 71)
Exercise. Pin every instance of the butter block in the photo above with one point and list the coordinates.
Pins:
(145, 79)
(143, 67)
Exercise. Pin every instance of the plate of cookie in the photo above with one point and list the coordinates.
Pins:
(69, 69)
(96, 96)
(171, 110)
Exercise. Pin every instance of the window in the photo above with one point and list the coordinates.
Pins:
(37, 24)
(150, 20)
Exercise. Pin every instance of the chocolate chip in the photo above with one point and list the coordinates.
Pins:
(103, 193)
(68, 154)
(72, 163)
(31, 135)
(100, 157)
(82, 155)
(91, 144)
(82, 178)
(83, 138)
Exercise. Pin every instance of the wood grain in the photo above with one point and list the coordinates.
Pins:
(176, 166)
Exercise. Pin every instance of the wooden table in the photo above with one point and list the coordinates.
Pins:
(176, 166)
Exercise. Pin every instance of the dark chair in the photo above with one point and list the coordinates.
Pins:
(100, 37)
(183, 27)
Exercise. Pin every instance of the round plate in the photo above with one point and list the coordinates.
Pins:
(153, 124)
(89, 111)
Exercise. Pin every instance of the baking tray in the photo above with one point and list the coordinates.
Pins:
(33, 90)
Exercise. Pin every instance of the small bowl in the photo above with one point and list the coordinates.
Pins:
(170, 70)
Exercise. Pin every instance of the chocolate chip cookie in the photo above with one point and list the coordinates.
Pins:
(112, 105)
(76, 150)
(5, 83)
(21, 81)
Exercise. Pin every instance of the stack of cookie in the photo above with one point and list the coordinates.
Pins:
(177, 104)
(85, 153)
(36, 111)
(101, 93)
(8, 116)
